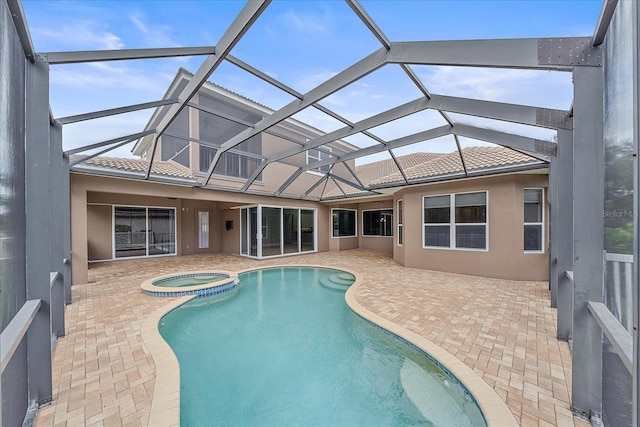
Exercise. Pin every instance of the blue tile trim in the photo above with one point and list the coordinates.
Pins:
(214, 290)
(183, 276)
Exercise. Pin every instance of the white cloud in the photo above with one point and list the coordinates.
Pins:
(103, 76)
(308, 81)
(306, 23)
(153, 35)
(540, 88)
(104, 129)
(82, 35)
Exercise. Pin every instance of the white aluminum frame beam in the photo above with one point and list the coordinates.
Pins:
(127, 138)
(247, 16)
(265, 77)
(464, 163)
(490, 53)
(396, 143)
(505, 139)
(373, 121)
(515, 113)
(377, 32)
(20, 22)
(76, 57)
(355, 72)
(606, 14)
(113, 111)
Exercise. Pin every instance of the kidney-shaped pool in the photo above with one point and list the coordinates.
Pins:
(283, 349)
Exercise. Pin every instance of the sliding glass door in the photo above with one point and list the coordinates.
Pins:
(271, 231)
(142, 231)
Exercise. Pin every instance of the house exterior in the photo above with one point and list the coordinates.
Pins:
(490, 221)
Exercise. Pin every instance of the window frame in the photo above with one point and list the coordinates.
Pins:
(318, 171)
(146, 209)
(379, 210)
(241, 158)
(355, 228)
(400, 222)
(452, 222)
(541, 224)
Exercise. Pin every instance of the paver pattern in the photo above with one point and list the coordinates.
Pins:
(103, 374)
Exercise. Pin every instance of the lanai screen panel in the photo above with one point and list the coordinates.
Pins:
(618, 207)
(12, 208)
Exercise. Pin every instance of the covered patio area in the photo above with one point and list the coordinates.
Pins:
(104, 374)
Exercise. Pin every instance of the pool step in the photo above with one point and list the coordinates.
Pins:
(429, 396)
(340, 281)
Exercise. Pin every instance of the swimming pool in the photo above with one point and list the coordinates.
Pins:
(283, 348)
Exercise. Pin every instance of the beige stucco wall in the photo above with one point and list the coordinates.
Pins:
(91, 227)
(505, 257)
(92, 197)
(99, 236)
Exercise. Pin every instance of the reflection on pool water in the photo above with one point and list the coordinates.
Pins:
(283, 348)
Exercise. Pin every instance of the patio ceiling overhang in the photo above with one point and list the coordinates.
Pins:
(557, 55)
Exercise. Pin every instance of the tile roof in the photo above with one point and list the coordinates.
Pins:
(476, 158)
(418, 166)
(373, 171)
(164, 168)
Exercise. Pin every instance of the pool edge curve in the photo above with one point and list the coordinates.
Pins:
(495, 411)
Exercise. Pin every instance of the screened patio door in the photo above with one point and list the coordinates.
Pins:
(270, 231)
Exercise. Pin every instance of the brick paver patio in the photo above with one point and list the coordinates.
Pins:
(104, 375)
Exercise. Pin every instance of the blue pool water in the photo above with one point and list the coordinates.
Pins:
(283, 349)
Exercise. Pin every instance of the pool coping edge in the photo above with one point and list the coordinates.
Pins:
(493, 408)
(165, 403)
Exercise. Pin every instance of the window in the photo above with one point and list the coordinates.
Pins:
(533, 219)
(314, 155)
(175, 142)
(437, 218)
(344, 222)
(399, 222)
(142, 231)
(456, 221)
(214, 128)
(232, 163)
(377, 223)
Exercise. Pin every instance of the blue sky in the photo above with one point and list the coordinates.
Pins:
(300, 43)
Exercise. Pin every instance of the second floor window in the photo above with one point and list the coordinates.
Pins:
(230, 163)
(314, 155)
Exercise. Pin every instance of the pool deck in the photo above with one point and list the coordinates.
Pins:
(104, 374)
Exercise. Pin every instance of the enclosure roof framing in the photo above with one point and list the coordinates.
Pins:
(563, 54)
